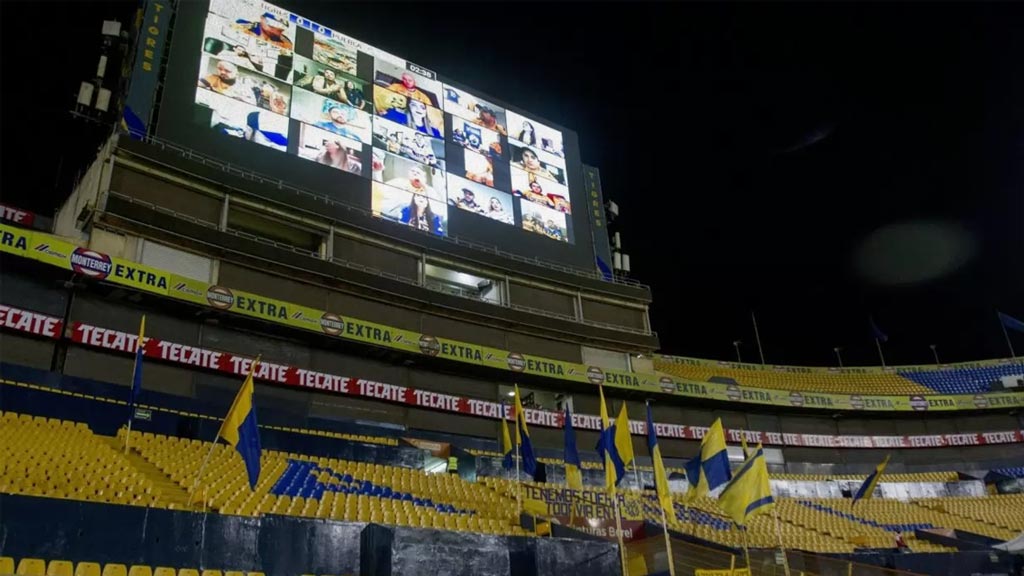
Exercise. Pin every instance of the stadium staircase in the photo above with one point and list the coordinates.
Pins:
(170, 492)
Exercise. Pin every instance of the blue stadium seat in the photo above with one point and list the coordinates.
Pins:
(963, 380)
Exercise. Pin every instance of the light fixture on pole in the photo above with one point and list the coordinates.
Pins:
(935, 353)
(839, 356)
(736, 344)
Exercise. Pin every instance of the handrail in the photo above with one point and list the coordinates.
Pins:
(252, 175)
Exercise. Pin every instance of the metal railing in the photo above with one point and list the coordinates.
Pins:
(253, 176)
(369, 269)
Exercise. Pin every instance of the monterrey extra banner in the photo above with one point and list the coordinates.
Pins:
(97, 266)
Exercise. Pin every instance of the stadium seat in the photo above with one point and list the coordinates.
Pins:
(86, 569)
(6, 565)
(164, 571)
(115, 570)
(31, 567)
(140, 570)
(59, 568)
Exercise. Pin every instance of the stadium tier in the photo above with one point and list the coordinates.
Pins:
(974, 378)
(63, 459)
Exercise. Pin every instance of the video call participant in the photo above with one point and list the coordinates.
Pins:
(415, 181)
(488, 120)
(418, 148)
(326, 83)
(468, 202)
(407, 87)
(553, 231)
(336, 155)
(353, 95)
(531, 163)
(419, 215)
(338, 118)
(223, 80)
(497, 211)
(527, 135)
(418, 120)
(484, 176)
(270, 28)
(535, 193)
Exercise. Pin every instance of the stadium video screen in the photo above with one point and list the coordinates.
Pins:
(426, 148)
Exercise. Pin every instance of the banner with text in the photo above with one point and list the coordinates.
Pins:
(98, 266)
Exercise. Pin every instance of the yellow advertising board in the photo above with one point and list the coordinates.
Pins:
(62, 253)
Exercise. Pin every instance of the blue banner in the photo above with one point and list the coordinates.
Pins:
(150, 41)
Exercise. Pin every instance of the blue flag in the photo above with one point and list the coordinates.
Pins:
(137, 371)
(241, 430)
(876, 332)
(573, 476)
(1011, 322)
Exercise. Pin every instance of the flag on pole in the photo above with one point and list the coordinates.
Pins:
(867, 488)
(507, 450)
(660, 477)
(1011, 322)
(623, 439)
(240, 429)
(614, 468)
(137, 370)
(743, 443)
(876, 332)
(749, 492)
(710, 469)
(525, 446)
(573, 476)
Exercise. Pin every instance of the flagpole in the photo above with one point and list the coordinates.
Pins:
(778, 531)
(668, 540)
(746, 550)
(519, 496)
(1007, 336)
(192, 491)
(618, 527)
(757, 336)
(131, 393)
(881, 357)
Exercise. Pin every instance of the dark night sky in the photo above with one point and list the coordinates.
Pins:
(815, 163)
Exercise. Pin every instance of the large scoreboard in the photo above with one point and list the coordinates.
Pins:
(263, 87)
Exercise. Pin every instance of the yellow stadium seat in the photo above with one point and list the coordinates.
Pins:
(188, 572)
(211, 573)
(6, 562)
(31, 567)
(140, 570)
(85, 569)
(59, 568)
(115, 570)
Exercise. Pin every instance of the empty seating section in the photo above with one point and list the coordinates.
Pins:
(878, 383)
(948, 476)
(40, 567)
(1014, 472)
(1004, 512)
(964, 380)
(46, 457)
(298, 485)
(382, 440)
(917, 380)
(62, 459)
